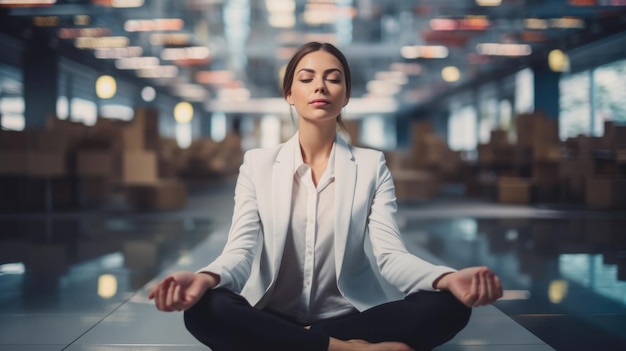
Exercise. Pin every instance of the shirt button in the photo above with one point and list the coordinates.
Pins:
(308, 282)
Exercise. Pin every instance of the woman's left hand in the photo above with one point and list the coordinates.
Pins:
(474, 286)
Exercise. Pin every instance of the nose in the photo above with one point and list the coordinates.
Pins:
(320, 87)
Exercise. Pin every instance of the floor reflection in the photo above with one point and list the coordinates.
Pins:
(89, 265)
(565, 278)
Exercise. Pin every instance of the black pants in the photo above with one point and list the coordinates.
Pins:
(224, 321)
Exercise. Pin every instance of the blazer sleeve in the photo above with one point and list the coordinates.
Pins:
(233, 265)
(407, 272)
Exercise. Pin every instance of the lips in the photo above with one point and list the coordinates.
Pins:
(319, 102)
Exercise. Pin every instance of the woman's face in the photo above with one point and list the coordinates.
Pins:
(318, 91)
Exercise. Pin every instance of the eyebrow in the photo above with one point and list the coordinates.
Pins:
(309, 70)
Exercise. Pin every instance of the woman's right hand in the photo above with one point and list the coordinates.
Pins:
(181, 290)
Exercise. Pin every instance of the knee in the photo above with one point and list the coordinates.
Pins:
(447, 316)
(209, 310)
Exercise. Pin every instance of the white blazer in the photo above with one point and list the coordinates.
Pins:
(365, 202)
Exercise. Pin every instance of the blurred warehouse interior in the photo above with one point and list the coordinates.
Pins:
(517, 101)
(124, 123)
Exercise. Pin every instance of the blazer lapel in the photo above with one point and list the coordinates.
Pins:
(345, 180)
(282, 183)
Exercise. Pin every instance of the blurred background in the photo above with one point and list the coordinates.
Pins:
(503, 122)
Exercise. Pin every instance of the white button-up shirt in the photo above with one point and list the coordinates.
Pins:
(306, 287)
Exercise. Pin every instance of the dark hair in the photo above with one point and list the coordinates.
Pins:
(307, 49)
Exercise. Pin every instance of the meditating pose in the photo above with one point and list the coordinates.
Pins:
(295, 273)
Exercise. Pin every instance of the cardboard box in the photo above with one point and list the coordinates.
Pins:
(46, 164)
(95, 163)
(605, 192)
(13, 162)
(514, 190)
(147, 120)
(414, 185)
(163, 195)
(10, 140)
(139, 167)
(546, 173)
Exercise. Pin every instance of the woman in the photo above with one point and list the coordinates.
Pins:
(294, 274)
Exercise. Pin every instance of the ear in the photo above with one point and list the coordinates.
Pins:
(345, 101)
(289, 99)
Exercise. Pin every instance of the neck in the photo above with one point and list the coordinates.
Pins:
(316, 141)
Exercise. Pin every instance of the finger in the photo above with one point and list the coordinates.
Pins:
(489, 292)
(163, 296)
(473, 293)
(169, 300)
(157, 287)
(177, 297)
(480, 294)
(497, 287)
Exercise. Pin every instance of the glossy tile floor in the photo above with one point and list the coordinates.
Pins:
(79, 281)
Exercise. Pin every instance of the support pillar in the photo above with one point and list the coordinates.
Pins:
(41, 70)
(546, 91)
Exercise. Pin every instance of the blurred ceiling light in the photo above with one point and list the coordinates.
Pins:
(535, 23)
(326, 12)
(468, 23)
(274, 6)
(46, 21)
(450, 74)
(101, 42)
(558, 61)
(154, 25)
(192, 92)
(214, 77)
(73, 33)
(557, 291)
(148, 94)
(282, 20)
(183, 112)
(106, 86)
(107, 286)
(567, 23)
(26, 3)
(170, 39)
(496, 49)
(127, 3)
(382, 88)
(233, 94)
(281, 13)
(168, 71)
(119, 112)
(116, 53)
(316, 14)
(82, 20)
(396, 77)
(142, 62)
(488, 2)
(12, 268)
(188, 53)
(424, 51)
(412, 69)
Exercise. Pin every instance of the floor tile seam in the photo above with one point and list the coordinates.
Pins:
(549, 315)
(101, 320)
(481, 343)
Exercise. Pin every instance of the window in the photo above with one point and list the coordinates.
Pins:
(575, 106)
(462, 129)
(378, 132)
(610, 94)
(218, 126)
